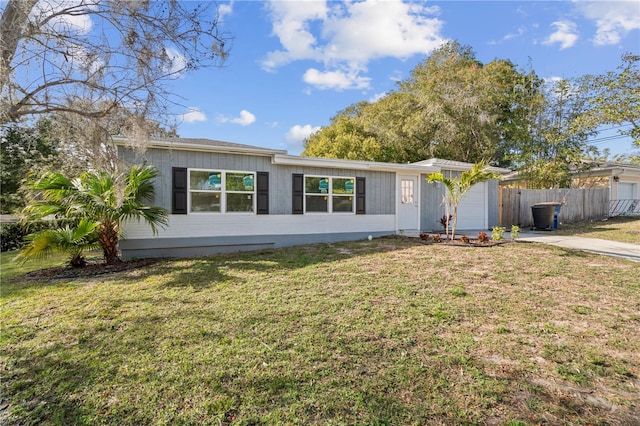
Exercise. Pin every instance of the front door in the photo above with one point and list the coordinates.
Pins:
(408, 210)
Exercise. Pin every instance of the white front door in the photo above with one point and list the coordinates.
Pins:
(408, 203)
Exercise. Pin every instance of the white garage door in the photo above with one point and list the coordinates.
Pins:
(472, 210)
(626, 191)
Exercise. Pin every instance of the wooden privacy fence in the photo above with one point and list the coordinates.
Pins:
(578, 205)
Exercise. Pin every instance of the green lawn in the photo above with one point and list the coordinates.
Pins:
(620, 228)
(383, 332)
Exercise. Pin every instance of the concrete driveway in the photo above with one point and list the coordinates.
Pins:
(593, 245)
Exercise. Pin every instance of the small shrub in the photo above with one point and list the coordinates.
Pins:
(11, 236)
(515, 231)
(483, 237)
(424, 236)
(497, 233)
(436, 238)
(444, 221)
(465, 239)
(14, 235)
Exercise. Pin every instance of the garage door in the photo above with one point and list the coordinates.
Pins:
(472, 210)
(626, 191)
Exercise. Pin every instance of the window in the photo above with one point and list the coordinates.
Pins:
(406, 191)
(221, 191)
(329, 194)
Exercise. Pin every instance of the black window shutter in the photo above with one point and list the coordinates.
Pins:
(298, 194)
(179, 190)
(361, 191)
(262, 193)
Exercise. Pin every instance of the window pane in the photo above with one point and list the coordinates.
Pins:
(239, 182)
(316, 185)
(239, 202)
(205, 180)
(406, 187)
(205, 202)
(343, 204)
(317, 203)
(343, 185)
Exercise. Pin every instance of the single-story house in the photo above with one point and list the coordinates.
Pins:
(623, 181)
(225, 197)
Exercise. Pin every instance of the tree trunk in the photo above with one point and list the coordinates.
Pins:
(109, 242)
(12, 26)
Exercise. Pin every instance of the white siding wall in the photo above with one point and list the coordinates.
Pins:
(215, 225)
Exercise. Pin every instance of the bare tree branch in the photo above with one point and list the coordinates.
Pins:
(105, 52)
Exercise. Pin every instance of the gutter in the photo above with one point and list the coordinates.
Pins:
(294, 160)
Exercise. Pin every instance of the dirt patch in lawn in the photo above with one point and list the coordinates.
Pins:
(92, 268)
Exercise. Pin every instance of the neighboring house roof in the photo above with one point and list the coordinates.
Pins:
(607, 166)
(590, 168)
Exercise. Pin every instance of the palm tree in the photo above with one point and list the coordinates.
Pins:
(74, 241)
(106, 198)
(457, 187)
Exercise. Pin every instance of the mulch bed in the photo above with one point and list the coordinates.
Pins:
(459, 242)
(427, 239)
(92, 268)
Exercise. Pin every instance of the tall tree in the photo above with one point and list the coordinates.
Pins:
(613, 99)
(345, 138)
(90, 57)
(452, 106)
(472, 108)
(24, 151)
(552, 146)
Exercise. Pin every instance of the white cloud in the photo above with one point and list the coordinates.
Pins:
(337, 80)
(519, 33)
(377, 96)
(566, 34)
(297, 134)
(177, 62)
(225, 9)
(346, 36)
(75, 20)
(613, 19)
(193, 115)
(244, 119)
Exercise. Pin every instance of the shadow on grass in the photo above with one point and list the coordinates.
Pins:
(44, 391)
(204, 272)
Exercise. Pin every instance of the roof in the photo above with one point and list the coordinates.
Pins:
(457, 165)
(282, 157)
(597, 165)
(200, 144)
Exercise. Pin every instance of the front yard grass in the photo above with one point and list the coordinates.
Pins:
(625, 229)
(383, 332)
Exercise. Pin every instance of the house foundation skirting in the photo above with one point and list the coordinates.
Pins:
(204, 246)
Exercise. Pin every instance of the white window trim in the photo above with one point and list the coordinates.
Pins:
(330, 194)
(223, 192)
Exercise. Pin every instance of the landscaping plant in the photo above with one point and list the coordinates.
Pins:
(457, 187)
(497, 233)
(105, 198)
(73, 241)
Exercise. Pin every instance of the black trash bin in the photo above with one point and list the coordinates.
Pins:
(543, 216)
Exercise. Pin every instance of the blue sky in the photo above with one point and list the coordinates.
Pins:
(294, 64)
